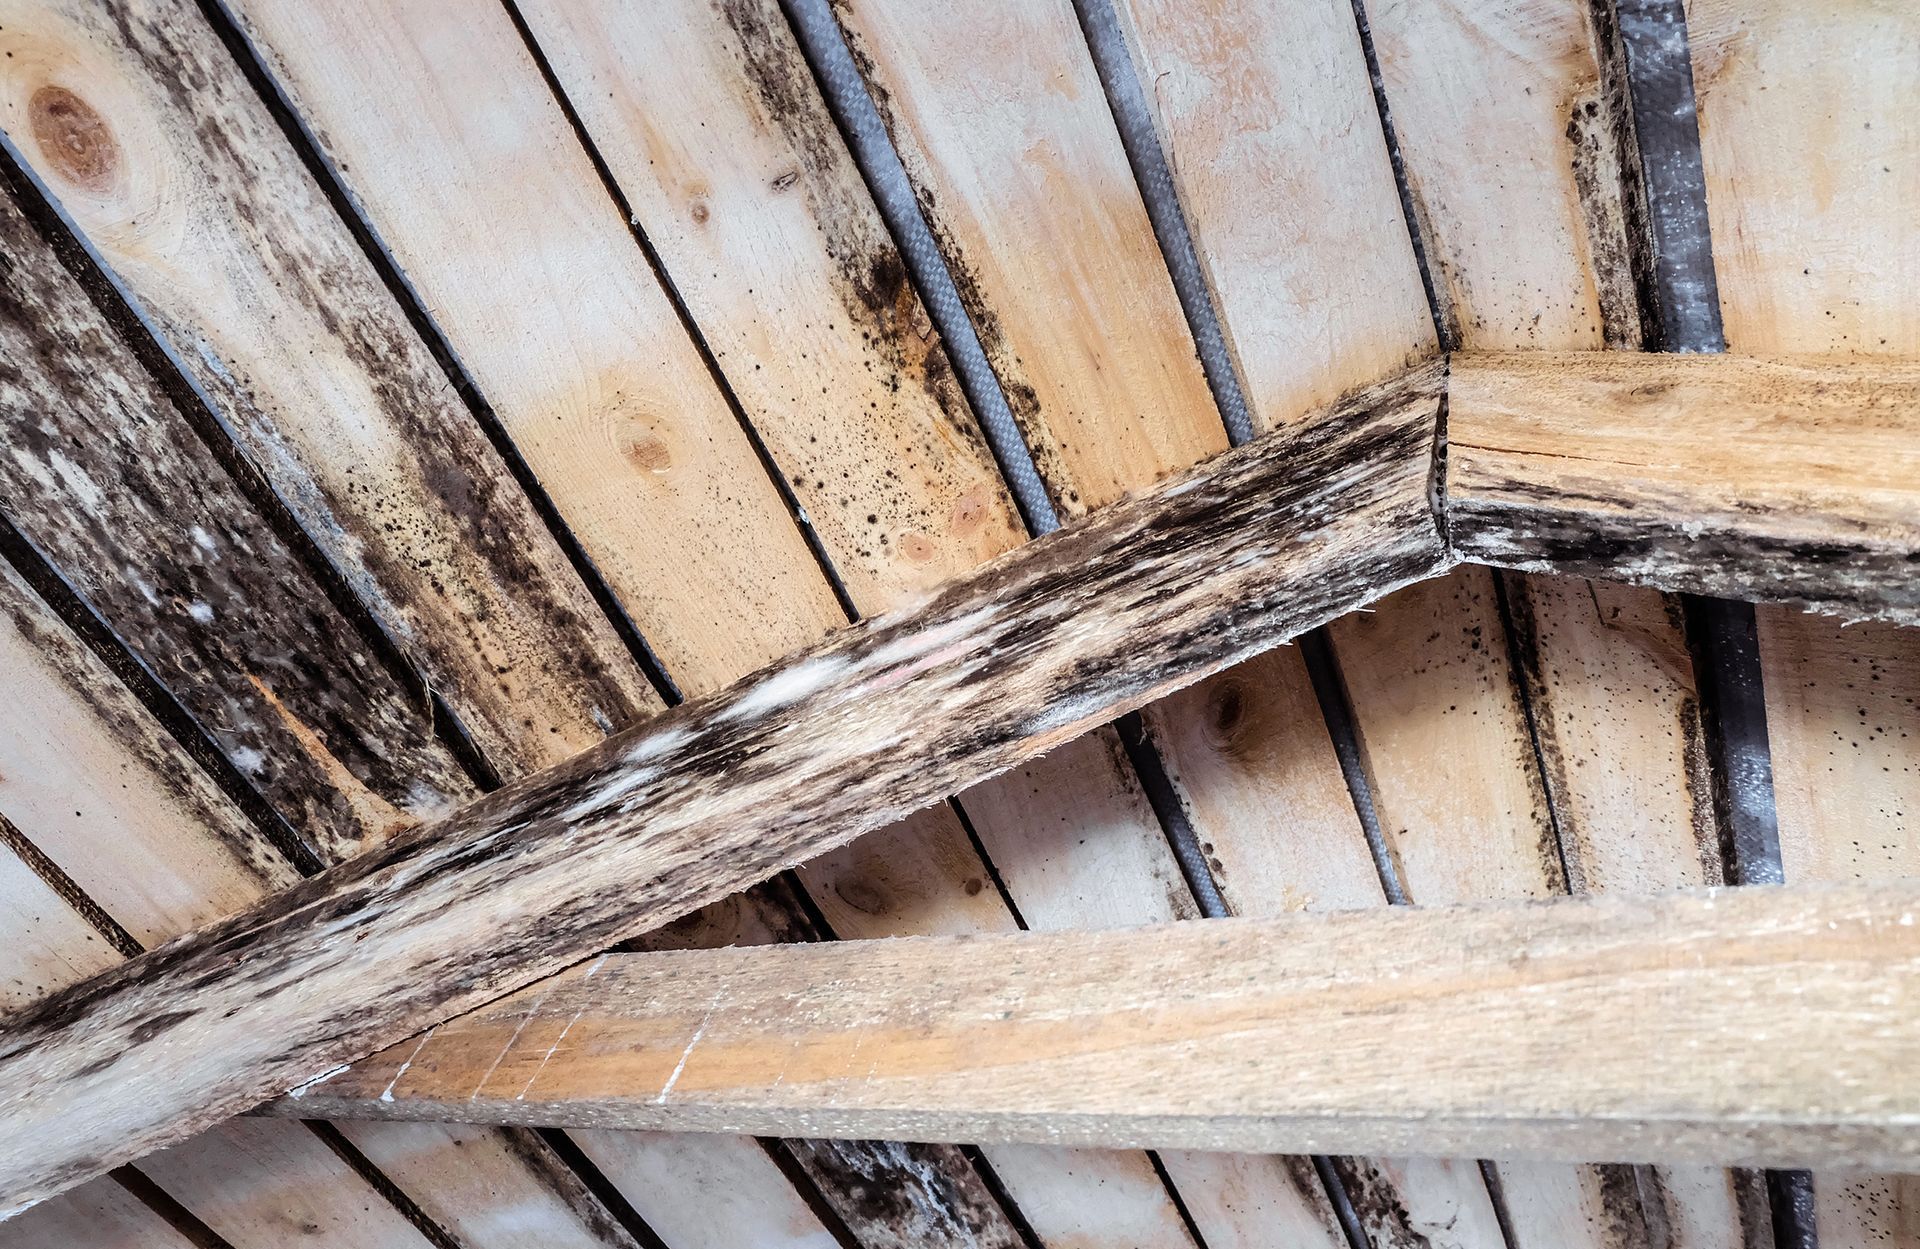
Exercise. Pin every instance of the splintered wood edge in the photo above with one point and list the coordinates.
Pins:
(1205, 570)
(1765, 1027)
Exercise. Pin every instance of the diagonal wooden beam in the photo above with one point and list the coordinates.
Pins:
(1207, 569)
(1760, 1027)
(1765, 480)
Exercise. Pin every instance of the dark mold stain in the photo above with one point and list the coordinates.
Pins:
(464, 570)
(906, 1195)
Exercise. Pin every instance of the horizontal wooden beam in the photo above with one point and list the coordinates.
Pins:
(1765, 1026)
(1766, 480)
(1208, 569)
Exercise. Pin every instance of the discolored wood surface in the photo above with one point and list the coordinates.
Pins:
(999, 666)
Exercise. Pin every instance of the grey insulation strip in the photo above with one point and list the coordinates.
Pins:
(1653, 35)
(1128, 102)
(1723, 635)
(853, 109)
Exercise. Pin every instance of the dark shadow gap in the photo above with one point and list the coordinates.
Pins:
(823, 44)
(1349, 1219)
(1440, 309)
(1127, 102)
(66, 603)
(436, 1235)
(1004, 1199)
(55, 878)
(604, 1191)
(1179, 1202)
(169, 1211)
(1330, 688)
(810, 1193)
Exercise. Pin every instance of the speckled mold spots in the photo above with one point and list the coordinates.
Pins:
(874, 723)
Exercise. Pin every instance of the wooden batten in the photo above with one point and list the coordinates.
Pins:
(1638, 1029)
(1203, 571)
(1768, 480)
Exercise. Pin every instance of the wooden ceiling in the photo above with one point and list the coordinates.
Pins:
(401, 396)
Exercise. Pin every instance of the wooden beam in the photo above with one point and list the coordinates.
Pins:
(1755, 1026)
(1767, 480)
(1205, 570)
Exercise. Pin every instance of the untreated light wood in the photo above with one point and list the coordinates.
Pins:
(885, 718)
(1767, 480)
(1823, 262)
(1295, 1034)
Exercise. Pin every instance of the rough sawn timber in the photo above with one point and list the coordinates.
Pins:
(1766, 480)
(1291, 1034)
(1205, 570)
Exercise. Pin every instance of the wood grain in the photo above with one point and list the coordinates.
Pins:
(1823, 263)
(709, 120)
(146, 131)
(1004, 130)
(102, 1215)
(1766, 480)
(536, 282)
(1214, 1036)
(1268, 120)
(163, 543)
(1204, 571)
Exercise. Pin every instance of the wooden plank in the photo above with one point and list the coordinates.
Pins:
(1610, 644)
(865, 728)
(102, 1215)
(1005, 133)
(249, 1184)
(204, 590)
(135, 832)
(1823, 264)
(1267, 115)
(248, 641)
(706, 1192)
(140, 124)
(587, 365)
(1007, 170)
(1214, 1035)
(884, 885)
(1318, 291)
(1744, 478)
(708, 118)
(711, 126)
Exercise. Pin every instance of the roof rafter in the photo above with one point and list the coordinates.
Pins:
(1209, 568)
